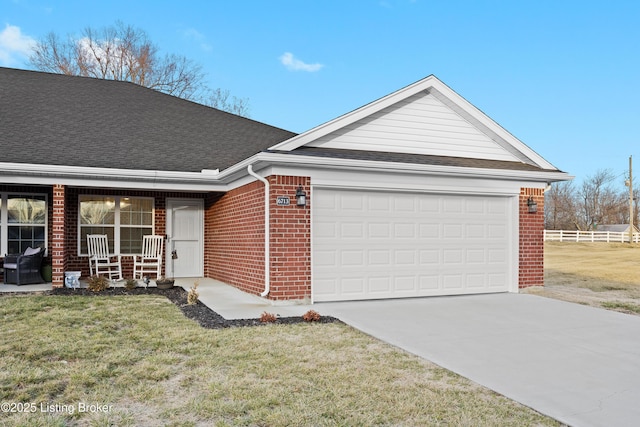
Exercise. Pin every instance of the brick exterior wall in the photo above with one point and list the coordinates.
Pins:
(234, 239)
(57, 242)
(531, 250)
(290, 240)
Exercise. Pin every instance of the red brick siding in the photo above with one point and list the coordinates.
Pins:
(290, 240)
(234, 238)
(531, 250)
(58, 252)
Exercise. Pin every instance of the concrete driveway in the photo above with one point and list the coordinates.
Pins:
(577, 364)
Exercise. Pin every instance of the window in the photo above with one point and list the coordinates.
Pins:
(123, 219)
(23, 222)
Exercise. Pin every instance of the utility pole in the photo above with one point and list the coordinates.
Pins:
(630, 202)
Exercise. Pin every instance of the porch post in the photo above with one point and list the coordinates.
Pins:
(58, 252)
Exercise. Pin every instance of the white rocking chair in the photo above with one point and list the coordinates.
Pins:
(150, 262)
(100, 262)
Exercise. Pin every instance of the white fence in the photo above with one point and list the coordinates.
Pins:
(588, 236)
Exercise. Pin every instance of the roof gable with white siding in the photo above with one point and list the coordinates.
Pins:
(425, 118)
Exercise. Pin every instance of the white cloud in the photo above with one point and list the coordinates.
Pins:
(293, 64)
(193, 34)
(14, 46)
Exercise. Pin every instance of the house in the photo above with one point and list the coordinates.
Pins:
(616, 228)
(417, 193)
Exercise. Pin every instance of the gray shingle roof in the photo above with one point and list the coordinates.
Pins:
(418, 159)
(53, 119)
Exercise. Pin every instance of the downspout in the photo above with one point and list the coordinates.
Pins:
(267, 271)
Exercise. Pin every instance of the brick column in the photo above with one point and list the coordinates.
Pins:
(290, 240)
(58, 252)
(531, 250)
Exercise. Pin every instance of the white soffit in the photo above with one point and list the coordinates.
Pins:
(426, 118)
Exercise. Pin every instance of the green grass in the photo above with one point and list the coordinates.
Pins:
(622, 306)
(152, 366)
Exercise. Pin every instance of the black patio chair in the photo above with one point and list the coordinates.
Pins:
(24, 268)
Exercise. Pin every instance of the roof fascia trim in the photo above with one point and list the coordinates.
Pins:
(266, 159)
(25, 173)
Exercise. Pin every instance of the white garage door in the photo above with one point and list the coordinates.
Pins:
(369, 244)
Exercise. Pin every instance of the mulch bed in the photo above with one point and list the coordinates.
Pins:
(199, 312)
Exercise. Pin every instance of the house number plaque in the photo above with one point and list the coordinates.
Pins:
(282, 201)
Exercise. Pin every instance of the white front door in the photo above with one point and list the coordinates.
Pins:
(376, 244)
(185, 225)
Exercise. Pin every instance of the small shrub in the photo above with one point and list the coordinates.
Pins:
(98, 283)
(311, 316)
(192, 295)
(131, 284)
(268, 317)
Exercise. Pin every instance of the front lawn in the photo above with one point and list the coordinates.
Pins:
(137, 361)
(605, 275)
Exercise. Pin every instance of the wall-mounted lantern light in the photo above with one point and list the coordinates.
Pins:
(301, 197)
(533, 206)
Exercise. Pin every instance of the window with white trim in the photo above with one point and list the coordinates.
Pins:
(123, 219)
(23, 222)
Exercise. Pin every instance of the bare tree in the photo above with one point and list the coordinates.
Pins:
(122, 52)
(598, 202)
(222, 100)
(560, 206)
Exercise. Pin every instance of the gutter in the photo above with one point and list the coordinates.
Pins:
(272, 159)
(213, 180)
(267, 256)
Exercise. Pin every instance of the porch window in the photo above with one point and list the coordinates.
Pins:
(123, 219)
(23, 222)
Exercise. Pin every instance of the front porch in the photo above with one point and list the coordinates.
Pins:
(59, 217)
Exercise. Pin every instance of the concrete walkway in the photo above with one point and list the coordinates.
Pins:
(577, 364)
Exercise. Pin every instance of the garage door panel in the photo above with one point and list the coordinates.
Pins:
(370, 244)
(476, 281)
(497, 256)
(452, 281)
(429, 283)
(325, 258)
(475, 256)
(379, 230)
(352, 286)
(353, 258)
(379, 258)
(325, 230)
(325, 288)
(380, 285)
(405, 257)
(352, 204)
(429, 231)
(452, 231)
(404, 230)
(497, 280)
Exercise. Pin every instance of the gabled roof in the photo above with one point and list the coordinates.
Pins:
(425, 122)
(618, 228)
(53, 119)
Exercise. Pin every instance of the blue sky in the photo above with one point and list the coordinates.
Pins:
(563, 76)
